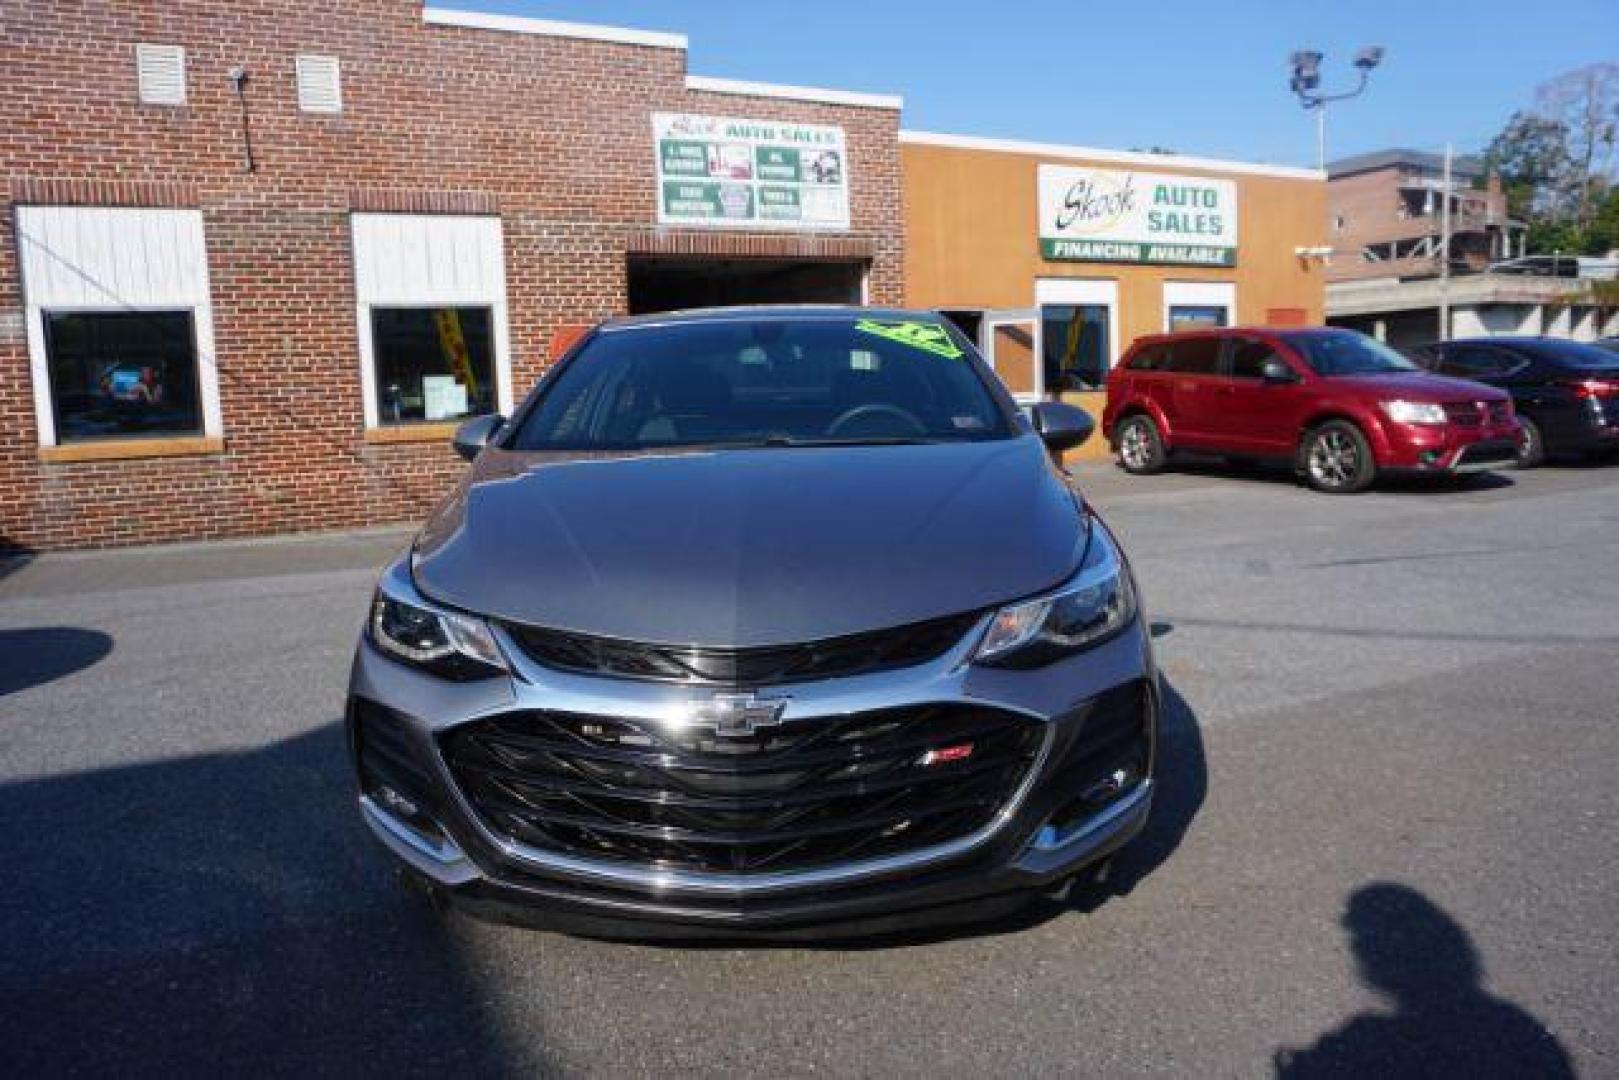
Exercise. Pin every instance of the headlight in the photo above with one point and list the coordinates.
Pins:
(1414, 412)
(446, 643)
(1098, 603)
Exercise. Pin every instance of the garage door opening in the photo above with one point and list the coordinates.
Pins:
(661, 284)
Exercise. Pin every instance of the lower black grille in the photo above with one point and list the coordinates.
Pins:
(807, 795)
(855, 654)
(1496, 452)
(386, 756)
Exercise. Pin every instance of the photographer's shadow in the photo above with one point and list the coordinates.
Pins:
(1443, 1021)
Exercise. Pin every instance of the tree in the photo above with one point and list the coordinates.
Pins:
(1556, 162)
(1585, 102)
(1531, 158)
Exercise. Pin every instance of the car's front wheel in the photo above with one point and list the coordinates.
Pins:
(1337, 459)
(1531, 445)
(1140, 447)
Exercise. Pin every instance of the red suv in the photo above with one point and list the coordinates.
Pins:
(1339, 405)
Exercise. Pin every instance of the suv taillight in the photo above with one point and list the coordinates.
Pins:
(1596, 388)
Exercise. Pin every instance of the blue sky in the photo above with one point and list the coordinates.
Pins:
(1197, 76)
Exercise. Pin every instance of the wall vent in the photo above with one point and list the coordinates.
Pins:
(320, 85)
(161, 73)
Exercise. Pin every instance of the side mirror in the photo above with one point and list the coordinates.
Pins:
(472, 436)
(1275, 372)
(1061, 426)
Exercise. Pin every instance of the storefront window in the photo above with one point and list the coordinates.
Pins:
(1197, 317)
(432, 363)
(1074, 345)
(122, 374)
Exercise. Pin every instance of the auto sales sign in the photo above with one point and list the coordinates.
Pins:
(1112, 215)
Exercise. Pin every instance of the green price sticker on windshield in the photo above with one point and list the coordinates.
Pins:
(929, 337)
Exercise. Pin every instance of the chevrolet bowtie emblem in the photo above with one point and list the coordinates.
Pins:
(737, 714)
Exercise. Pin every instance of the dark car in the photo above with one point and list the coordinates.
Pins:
(758, 620)
(1566, 392)
(1338, 405)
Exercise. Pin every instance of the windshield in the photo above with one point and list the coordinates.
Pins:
(766, 382)
(1344, 352)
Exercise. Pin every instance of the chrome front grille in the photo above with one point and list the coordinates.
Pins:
(810, 794)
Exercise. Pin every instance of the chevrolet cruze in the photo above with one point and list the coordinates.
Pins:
(766, 620)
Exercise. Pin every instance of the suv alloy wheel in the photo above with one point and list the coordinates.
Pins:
(1335, 458)
(1141, 449)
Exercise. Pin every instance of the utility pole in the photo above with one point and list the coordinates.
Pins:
(1444, 252)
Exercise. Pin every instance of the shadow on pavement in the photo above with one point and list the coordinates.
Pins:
(1443, 1022)
(224, 912)
(1395, 484)
(12, 557)
(37, 655)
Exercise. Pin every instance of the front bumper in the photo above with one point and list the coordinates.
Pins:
(1448, 448)
(1045, 834)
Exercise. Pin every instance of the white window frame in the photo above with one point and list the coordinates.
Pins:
(1201, 294)
(1101, 292)
(438, 260)
(78, 260)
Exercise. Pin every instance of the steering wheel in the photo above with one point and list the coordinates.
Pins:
(873, 410)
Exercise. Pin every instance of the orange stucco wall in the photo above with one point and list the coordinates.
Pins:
(971, 241)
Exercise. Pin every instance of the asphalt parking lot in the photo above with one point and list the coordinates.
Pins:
(1386, 842)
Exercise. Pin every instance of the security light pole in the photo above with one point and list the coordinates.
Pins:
(1306, 83)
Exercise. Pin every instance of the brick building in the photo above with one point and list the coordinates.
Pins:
(1386, 209)
(224, 300)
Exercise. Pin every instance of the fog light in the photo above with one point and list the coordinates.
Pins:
(395, 803)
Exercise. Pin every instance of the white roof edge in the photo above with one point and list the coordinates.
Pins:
(856, 98)
(517, 24)
(1121, 157)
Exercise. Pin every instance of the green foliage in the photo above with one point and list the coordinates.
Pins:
(1555, 163)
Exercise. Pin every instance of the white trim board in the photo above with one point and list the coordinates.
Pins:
(429, 260)
(111, 259)
(517, 24)
(858, 99)
(1200, 294)
(1110, 157)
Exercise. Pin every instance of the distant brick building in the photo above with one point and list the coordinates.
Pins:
(232, 306)
(1386, 208)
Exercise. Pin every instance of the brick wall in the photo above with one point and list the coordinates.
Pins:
(552, 133)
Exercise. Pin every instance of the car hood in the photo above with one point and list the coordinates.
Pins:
(1417, 386)
(751, 547)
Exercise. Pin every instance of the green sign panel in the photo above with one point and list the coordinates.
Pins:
(704, 200)
(1127, 252)
(683, 158)
(777, 163)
